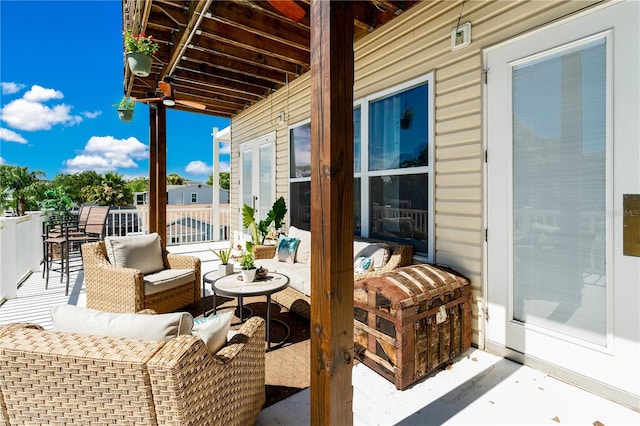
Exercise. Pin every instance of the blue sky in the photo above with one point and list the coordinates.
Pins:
(61, 71)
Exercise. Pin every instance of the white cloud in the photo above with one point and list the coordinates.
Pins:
(225, 148)
(198, 168)
(9, 87)
(106, 153)
(89, 114)
(2, 161)
(25, 115)
(40, 94)
(11, 136)
(225, 166)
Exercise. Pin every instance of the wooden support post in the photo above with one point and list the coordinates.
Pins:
(161, 174)
(332, 70)
(152, 220)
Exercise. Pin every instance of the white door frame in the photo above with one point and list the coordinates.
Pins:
(624, 328)
(255, 145)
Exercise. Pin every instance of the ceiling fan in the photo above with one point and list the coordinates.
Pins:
(289, 8)
(168, 98)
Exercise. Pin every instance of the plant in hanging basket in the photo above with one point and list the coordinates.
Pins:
(405, 119)
(125, 108)
(140, 48)
(140, 43)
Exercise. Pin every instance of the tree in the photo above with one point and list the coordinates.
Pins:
(74, 184)
(139, 184)
(224, 180)
(175, 179)
(113, 191)
(20, 188)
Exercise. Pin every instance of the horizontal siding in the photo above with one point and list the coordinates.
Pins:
(414, 44)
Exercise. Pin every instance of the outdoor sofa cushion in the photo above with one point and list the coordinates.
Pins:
(158, 327)
(166, 279)
(161, 327)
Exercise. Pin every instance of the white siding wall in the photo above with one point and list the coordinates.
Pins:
(414, 44)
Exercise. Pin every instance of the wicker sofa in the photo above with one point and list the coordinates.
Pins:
(51, 377)
(114, 288)
(388, 257)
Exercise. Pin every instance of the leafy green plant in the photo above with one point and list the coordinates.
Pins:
(141, 43)
(260, 230)
(57, 202)
(246, 258)
(126, 103)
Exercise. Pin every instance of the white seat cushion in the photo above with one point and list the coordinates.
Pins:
(166, 279)
(378, 252)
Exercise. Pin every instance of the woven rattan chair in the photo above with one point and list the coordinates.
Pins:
(63, 378)
(116, 289)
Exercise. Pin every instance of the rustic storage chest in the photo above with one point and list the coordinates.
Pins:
(411, 321)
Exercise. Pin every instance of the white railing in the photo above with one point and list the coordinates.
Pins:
(184, 225)
(20, 250)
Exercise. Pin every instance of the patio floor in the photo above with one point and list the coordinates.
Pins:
(479, 388)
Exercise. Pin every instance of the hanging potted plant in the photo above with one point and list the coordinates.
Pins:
(140, 49)
(405, 119)
(125, 108)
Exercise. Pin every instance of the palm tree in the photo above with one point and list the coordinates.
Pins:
(20, 188)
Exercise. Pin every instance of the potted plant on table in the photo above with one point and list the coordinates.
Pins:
(140, 49)
(246, 262)
(224, 255)
(125, 108)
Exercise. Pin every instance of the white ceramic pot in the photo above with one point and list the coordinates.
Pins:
(248, 275)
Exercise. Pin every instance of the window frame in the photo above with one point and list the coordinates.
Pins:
(364, 174)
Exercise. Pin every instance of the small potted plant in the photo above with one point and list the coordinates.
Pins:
(140, 49)
(224, 255)
(246, 262)
(125, 108)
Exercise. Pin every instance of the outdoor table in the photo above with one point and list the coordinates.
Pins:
(233, 286)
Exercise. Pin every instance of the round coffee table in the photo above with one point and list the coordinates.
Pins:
(233, 286)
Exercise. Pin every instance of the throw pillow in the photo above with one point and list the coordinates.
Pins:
(213, 330)
(161, 327)
(141, 252)
(362, 264)
(286, 250)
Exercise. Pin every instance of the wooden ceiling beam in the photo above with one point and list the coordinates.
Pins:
(241, 54)
(224, 33)
(200, 59)
(213, 80)
(250, 20)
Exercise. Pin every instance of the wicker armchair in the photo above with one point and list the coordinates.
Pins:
(64, 378)
(116, 289)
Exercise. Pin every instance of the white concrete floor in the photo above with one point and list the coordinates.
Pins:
(478, 389)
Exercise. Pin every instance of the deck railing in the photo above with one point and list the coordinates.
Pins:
(184, 224)
(21, 237)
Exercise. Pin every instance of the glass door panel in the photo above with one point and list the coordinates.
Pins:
(559, 191)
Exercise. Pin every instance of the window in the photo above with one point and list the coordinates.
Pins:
(194, 198)
(393, 174)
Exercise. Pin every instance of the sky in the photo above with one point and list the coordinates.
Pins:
(61, 72)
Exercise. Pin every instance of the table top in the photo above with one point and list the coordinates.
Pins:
(233, 286)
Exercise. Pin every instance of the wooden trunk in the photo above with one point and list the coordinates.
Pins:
(411, 321)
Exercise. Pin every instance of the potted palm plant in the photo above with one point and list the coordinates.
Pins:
(125, 108)
(140, 49)
(225, 268)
